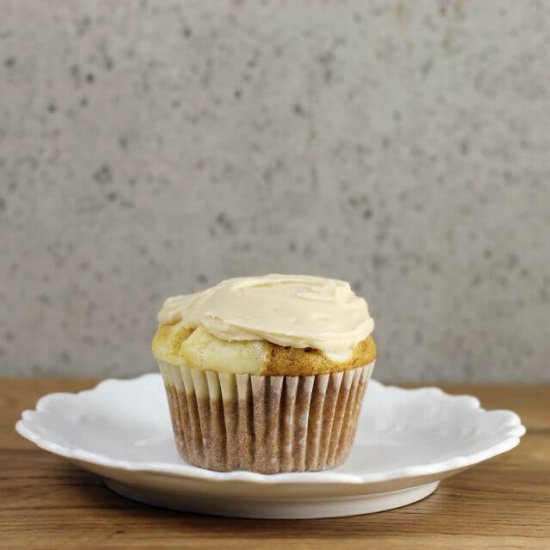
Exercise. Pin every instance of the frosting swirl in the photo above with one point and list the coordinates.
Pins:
(289, 310)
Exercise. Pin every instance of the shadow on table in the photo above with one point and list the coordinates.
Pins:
(125, 514)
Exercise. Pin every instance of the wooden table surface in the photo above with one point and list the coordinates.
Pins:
(45, 502)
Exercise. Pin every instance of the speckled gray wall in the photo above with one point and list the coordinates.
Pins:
(154, 148)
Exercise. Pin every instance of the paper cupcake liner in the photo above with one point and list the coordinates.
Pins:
(266, 424)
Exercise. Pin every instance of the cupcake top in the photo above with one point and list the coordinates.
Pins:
(272, 324)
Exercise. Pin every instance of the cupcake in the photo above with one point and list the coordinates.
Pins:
(266, 374)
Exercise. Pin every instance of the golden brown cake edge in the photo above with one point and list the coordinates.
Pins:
(277, 360)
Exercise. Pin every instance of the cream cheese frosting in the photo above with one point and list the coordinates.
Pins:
(300, 311)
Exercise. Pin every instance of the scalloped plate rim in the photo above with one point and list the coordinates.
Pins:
(513, 425)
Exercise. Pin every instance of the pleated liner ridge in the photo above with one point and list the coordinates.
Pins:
(266, 424)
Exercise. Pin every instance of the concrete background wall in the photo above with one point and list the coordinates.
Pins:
(153, 148)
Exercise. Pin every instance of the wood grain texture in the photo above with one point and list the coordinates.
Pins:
(503, 503)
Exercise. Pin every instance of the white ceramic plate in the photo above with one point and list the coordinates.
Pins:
(407, 442)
